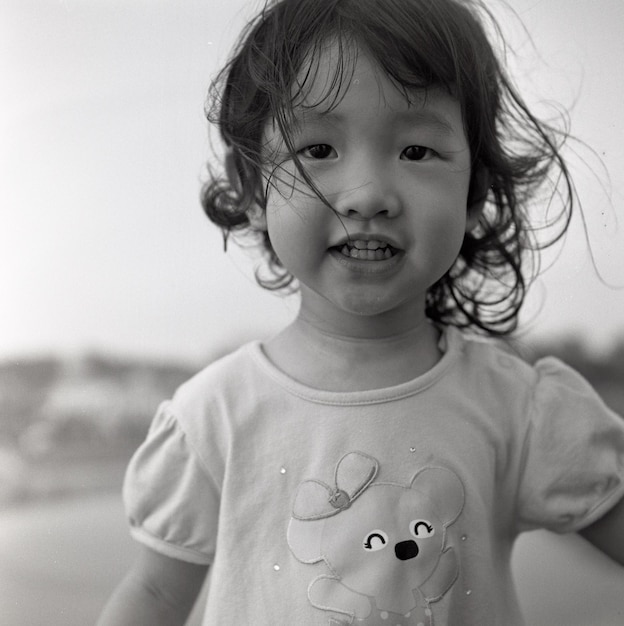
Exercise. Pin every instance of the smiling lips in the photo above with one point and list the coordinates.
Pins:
(369, 250)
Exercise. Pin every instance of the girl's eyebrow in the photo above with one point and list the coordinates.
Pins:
(427, 117)
(313, 115)
(422, 116)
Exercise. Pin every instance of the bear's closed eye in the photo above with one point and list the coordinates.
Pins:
(421, 528)
(375, 540)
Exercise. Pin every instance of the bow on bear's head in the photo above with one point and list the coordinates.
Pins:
(316, 500)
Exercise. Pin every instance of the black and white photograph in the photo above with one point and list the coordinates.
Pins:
(313, 312)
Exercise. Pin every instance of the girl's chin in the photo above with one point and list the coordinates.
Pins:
(365, 306)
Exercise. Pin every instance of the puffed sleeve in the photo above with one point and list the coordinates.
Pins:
(171, 501)
(573, 461)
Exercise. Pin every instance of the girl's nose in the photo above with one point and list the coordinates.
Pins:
(368, 192)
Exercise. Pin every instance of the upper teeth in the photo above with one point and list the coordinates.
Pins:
(371, 244)
(367, 250)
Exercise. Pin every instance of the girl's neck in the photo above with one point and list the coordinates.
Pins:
(332, 360)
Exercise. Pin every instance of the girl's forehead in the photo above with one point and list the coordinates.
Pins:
(328, 72)
(335, 69)
(358, 98)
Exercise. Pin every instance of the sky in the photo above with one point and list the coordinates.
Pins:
(103, 145)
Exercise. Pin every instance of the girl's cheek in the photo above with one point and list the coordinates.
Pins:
(288, 183)
(280, 181)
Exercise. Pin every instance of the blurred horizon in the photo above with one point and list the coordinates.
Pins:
(525, 342)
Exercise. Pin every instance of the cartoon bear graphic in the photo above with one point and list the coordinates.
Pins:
(385, 544)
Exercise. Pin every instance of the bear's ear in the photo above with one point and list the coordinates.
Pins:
(304, 539)
(444, 488)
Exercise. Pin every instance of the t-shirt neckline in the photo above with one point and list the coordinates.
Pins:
(450, 344)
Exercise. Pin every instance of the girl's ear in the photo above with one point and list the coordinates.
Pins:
(231, 171)
(477, 195)
(255, 215)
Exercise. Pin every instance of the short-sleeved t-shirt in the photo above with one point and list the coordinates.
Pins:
(397, 505)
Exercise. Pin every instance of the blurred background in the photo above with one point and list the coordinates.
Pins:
(116, 288)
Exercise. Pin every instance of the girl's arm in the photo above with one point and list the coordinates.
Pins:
(157, 591)
(607, 533)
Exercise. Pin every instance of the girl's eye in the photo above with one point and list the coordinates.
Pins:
(415, 153)
(375, 540)
(421, 528)
(319, 151)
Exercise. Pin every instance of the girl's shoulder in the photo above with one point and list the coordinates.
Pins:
(494, 358)
(509, 367)
(547, 387)
(227, 370)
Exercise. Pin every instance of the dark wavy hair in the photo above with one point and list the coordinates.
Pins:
(418, 44)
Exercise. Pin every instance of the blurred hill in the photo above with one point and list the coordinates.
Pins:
(70, 425)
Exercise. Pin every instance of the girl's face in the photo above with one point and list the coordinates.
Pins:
(397, 175)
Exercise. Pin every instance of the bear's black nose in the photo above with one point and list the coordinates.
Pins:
(406, 550)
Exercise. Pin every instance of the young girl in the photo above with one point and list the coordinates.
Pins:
(373, 462)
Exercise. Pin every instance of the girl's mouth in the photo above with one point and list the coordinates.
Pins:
(371, 250)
